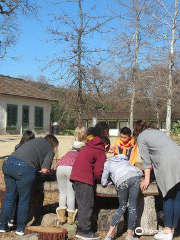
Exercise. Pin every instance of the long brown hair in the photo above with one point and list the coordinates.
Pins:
(140, 126)
(52, 140)
(54, 144)
(27, 136)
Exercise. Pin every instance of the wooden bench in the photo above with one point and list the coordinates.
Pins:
(107, 203)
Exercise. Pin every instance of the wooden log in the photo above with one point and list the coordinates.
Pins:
(110, 190)
(47, 233)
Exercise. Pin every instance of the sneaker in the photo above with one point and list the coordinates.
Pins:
(19, 233)
(163, 236)
(2, 231)
(11, 223)
(88, 235)
(108, 237)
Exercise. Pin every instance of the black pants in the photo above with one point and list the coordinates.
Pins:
(85, 200)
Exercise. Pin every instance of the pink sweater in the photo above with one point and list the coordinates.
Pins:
(68, 159)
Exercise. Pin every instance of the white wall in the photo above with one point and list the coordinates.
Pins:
(20, 101)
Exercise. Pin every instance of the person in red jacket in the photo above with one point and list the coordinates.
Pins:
(87, 170)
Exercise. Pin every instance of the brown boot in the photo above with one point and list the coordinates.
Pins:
(61, 213)
(71, 216)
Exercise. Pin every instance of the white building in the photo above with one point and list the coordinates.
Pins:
(23, 107)
(118, 120)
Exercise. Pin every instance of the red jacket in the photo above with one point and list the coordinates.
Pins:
(89, 164)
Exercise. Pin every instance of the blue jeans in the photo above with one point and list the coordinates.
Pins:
(19, 179)
(127, 191)
(171, 204)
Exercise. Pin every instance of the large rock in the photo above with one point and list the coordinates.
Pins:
(71, 230)
(103, 220)
(147, 216)
(50, 220)
(25, 237)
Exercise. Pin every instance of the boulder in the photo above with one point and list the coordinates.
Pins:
(50, 220)
(71, 230)
(25, 237)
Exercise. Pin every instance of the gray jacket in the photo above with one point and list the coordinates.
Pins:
(119, 169)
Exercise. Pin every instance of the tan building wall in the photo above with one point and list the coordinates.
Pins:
(20, 102)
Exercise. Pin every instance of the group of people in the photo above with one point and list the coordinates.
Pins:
(85, 165)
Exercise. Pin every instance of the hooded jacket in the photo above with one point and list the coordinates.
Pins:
(89, 164)
(119, 169)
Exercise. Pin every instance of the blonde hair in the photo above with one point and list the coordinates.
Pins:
(80, 134)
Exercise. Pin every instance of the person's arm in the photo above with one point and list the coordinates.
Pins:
(145, 183)
(146, 160)
(46, 166)
(99, 166)
(105, 175)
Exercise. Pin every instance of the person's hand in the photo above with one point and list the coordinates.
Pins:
(112, 150)
(144, 185)
(46, 171)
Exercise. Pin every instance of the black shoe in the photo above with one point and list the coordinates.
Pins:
(86, 235)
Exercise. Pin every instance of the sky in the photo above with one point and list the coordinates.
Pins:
(31, 50)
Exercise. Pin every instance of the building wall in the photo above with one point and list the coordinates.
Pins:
(115, 123)
(20, 101)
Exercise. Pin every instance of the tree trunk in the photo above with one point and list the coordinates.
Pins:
(80, 87)
(46, 233)
(132, 105)
(157, 117)
(134, 72)
(171, 64)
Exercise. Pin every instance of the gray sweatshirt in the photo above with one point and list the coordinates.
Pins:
(37, 152)
(119, 169)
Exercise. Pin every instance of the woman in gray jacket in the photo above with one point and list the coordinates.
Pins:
(126, 179)
(161, 151)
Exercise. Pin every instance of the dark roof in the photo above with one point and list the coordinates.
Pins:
(19, 87)
(146, 115)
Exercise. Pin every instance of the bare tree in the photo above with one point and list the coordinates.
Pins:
(132, 39)
(10, 10)
(167, 31)
(74, 33)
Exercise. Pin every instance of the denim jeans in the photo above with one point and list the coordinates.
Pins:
(171, 204)
(127, 191)
(19, 180)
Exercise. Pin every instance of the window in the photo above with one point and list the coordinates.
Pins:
(113, 125)
(12, 112)
(39, 117)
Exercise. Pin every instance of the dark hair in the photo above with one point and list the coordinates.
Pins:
(140, 126)
(107, 141)
(100, 128)
(126, 131)
(52, 140)
(90, 131)
(27, 135)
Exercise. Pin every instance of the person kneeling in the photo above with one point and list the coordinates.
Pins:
(126, 179)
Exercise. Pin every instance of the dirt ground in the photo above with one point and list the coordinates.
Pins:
(7, 144)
